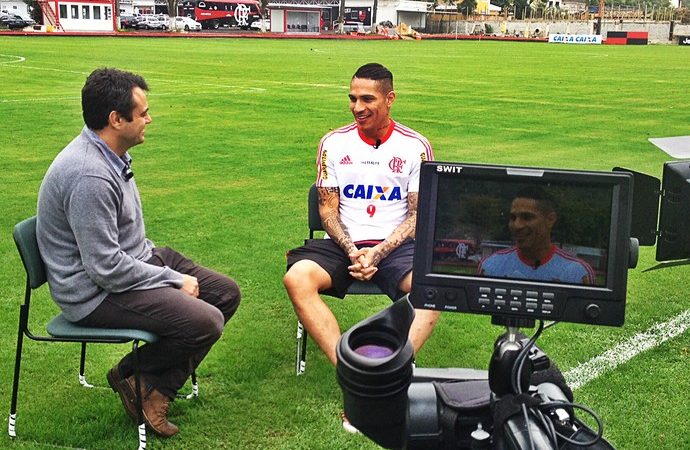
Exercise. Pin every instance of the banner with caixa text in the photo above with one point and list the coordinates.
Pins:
(575, 38)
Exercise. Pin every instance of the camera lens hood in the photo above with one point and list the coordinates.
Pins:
(375, 384)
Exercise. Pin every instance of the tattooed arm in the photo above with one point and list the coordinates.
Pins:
(329, 210)
(404, 231)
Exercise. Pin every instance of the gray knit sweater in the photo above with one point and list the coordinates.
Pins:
(90, 231)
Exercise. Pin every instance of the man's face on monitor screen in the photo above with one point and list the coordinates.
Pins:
(530, 226)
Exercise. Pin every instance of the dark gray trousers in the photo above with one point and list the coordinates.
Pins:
(187, 326)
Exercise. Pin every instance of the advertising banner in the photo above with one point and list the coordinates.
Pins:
(575, 38)
(683, 40)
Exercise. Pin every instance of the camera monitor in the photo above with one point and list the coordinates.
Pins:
(520, 242)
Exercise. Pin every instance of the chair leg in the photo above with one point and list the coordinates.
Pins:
(195, 385)
(195, 389)
(82, 364)
(301, 357)
(137, 387)
(11, 421)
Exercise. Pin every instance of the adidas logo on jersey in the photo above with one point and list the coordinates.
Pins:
(346, 160)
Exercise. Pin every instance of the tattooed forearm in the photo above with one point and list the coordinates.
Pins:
(329, 204)
(404, 231)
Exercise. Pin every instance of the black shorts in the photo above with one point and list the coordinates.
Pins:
(327, 254)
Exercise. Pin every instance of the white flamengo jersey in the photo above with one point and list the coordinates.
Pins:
(374, 178)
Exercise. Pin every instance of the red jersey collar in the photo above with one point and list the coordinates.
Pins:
(548, 257)
(373, 142)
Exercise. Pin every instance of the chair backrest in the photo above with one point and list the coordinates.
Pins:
(314, 217)
(24, 234)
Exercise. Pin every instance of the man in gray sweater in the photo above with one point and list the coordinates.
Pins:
(104, 272)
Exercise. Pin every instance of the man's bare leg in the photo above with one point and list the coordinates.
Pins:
(424, 319)
(303, 282)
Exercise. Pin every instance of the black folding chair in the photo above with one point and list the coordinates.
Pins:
(356, 288)
(61, 330)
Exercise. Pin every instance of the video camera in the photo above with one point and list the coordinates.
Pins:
(472, 255)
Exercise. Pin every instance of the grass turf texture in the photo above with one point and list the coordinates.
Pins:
(224, 175)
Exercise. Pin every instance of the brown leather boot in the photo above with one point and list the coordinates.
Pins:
(155, 406)
(125, 389)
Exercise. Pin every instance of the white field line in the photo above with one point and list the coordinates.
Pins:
(78, 98)
(623, 352)
(17, 59)
(252, 89)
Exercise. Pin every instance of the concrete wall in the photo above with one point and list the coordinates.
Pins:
(658, 31)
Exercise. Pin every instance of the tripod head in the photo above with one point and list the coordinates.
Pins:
(506, 350)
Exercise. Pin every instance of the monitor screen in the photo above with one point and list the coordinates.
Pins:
(518, 229)
(522, 241)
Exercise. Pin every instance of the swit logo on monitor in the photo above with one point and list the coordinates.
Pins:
(448, 169)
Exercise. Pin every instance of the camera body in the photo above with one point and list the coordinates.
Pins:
(401, 407)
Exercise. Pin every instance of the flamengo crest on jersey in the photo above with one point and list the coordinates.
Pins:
(373, 178)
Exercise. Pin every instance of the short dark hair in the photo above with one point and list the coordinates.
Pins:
(107, 90)
(545, 202)
(376, 72)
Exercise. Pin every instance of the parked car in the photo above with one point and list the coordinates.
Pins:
(256, 25)
(29, 22)
(128, 22)
(151, 23)
(186, 24)
(15, 22)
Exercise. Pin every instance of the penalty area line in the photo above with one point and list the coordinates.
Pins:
(623, 352)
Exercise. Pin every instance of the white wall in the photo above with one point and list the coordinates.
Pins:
(277, 20)
(17, 7)
(80, 23)
(413, 12)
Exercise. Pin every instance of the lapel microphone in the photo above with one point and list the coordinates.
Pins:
(378, 143)
(127, 173)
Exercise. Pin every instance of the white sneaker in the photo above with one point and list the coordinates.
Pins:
(347, 426)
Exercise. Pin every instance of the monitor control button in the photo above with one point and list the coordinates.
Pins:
(430, 294)
(451, 296)
(592, 311)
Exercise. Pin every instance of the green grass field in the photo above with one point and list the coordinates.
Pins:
(224, 175)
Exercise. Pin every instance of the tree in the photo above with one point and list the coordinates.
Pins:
(341, 18)
(172, 11)
(445, 4)
(468, 6)
(504, 5)
(521, 8)
(35, 9)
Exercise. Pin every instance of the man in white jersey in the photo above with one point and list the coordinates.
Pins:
(534, 257)
(368, 182)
